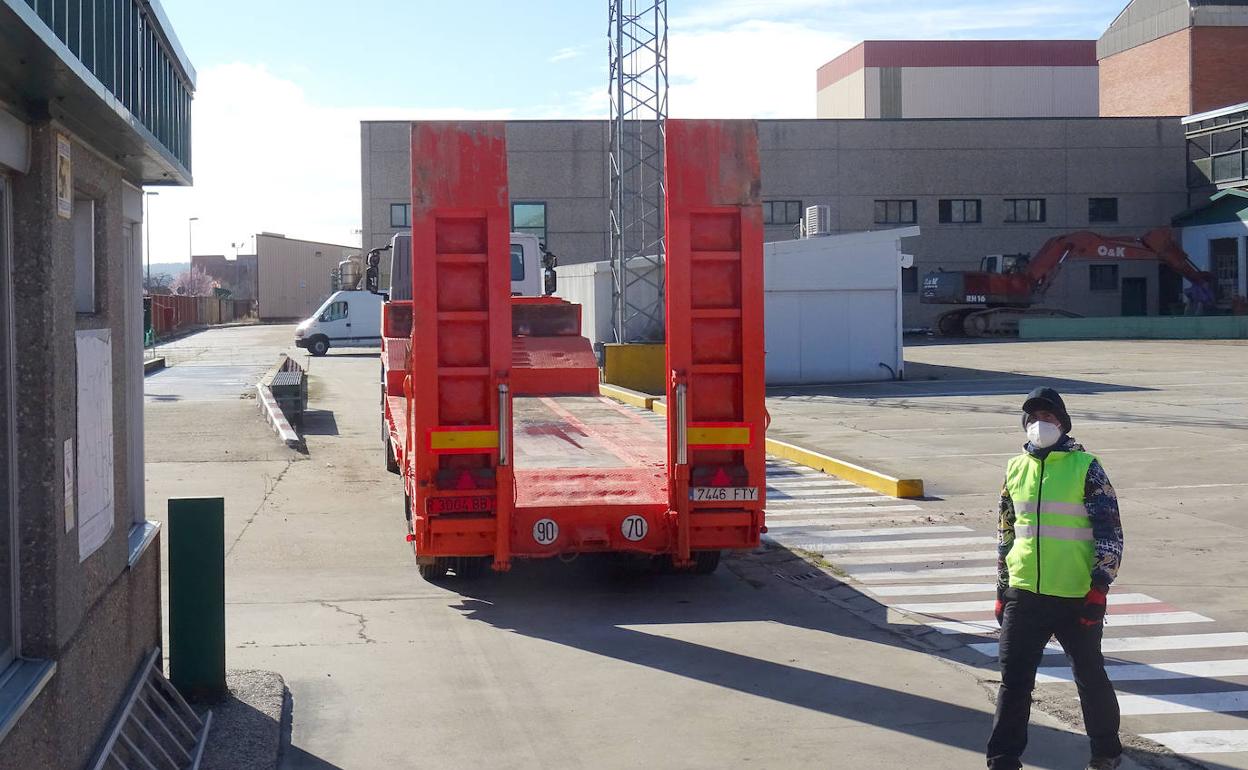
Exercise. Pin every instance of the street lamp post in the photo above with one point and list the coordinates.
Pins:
(190, 244)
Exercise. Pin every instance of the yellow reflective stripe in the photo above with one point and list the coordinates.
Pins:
(719, 436)
(463, 439)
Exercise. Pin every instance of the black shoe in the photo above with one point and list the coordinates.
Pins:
(1104, 763)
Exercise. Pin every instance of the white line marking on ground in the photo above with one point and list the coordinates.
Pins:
(783, 483)
(838, 510)
(1184, 703)
(1129, 619)
(781, 522)
(805, 494)
(934, 589)
(838, 534)
(1147, 643)
(929, 608)
(1141, 672)
(923, 574)
(806, 502)
(916, 558)
(892, 545)
(1202, 741)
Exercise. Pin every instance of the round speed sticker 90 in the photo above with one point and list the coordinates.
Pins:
(545, 531)
(634, 528)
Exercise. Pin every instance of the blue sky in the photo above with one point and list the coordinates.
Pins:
(283, 84)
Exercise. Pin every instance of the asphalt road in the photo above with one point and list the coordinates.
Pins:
(769, 662)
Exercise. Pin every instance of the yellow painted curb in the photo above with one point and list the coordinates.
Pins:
(659, 407)
(626, 395)
(893, 487)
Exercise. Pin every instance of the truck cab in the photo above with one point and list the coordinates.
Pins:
(527, 267)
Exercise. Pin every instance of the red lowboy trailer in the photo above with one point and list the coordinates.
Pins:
(505, 447)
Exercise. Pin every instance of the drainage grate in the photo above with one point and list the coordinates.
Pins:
(156, 730)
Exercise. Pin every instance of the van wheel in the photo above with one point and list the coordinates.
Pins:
(319, 346)
(705, 562)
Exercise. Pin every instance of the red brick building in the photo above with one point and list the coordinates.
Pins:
(1174, 57)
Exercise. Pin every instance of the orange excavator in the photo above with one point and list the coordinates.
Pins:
(1010, 287)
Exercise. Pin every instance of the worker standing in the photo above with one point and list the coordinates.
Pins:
(1059, 548)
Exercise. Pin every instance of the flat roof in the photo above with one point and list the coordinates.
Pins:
(958, 53)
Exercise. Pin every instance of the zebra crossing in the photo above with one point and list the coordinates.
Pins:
(1182, 679)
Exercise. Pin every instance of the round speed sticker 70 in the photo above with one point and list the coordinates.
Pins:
(634, 528)
(545, 531)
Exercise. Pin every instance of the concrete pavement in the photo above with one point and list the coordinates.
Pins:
(553, 665)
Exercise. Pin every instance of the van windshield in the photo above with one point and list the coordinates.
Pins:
(517, 262)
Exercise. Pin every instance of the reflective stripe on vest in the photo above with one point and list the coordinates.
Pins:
(1053, 551)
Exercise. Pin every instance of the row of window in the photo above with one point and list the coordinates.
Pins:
(526, 217)
(530, 217)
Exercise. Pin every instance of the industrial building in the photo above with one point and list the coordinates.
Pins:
(95, 101)
(975, 187)
(1173, 57)
(294, 276)
(237, 276)
(896, 79)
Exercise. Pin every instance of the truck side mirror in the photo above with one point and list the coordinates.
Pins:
(372, 278)
(550, 280)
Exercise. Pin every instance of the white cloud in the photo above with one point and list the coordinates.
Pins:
(563, 54)
(268, 158)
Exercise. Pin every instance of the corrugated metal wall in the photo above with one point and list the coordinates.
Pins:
(294, 275)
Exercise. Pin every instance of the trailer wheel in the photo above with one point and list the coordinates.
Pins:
(705, 562)
(433, 572)
(392, 464)
(469, 567)
(318, 346)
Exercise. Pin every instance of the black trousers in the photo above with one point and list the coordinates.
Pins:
(1030, 620)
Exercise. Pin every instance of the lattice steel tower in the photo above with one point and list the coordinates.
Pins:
(638, 90)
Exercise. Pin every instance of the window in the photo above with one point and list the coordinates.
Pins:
(1224, 264)
(959, 211)
(8, 447)
(400, 215)
(782, 212)
(910, 280)
(335, 312)
(1102, 209)
(1103, 277)
(529, 218)
(83, 223)
(1024, 210)
(517, 262)
(895, 212)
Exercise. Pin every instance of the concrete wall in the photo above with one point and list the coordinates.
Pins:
(998, 92)
(848, 164)
(293, 276)
(846, 98)
(95, 617)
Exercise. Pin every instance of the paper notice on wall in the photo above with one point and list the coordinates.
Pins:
(95, 440)
(71, 495)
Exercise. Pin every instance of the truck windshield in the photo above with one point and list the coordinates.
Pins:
(517, 262)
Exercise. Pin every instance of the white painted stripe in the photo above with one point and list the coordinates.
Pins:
(1147, 643)
(886, 531)
(895, 545)
(1202, 741)
(1113, 621)
(941, 607)
(924, 574)
(933, 589)
(830, 502)
(1141, 672)
(832, 515)
(830, 510)
(916, 558)
(806, 494)
(1184, 703)
(779, 522)
(805, 483)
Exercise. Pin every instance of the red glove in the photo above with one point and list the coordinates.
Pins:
(1093, 612)
(998, 609)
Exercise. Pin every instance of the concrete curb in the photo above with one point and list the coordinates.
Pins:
(153, 365)
(880, 482)
(277, 420)
(625, 395)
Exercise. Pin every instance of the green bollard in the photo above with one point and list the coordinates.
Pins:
(197, 597)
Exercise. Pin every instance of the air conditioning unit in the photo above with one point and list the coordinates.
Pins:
(818, 221)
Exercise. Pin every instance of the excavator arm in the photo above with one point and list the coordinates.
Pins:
(1156, 245)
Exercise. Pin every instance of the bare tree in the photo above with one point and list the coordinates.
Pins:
(194, 283)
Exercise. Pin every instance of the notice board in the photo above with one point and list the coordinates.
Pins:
(95, 440)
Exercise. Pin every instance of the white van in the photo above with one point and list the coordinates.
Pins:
(346, 319)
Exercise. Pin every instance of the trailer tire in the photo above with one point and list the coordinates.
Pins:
(469, 567)
(392, 464)
(318, 345)
(433, 572)
(705, 562)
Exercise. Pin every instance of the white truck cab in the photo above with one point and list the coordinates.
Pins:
(347, 319)
(528, 275)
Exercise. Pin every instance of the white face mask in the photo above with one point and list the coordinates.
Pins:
(1043, 435)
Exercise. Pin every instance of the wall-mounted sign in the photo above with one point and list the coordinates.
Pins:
(64, 178)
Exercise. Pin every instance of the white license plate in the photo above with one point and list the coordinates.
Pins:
(723, 494)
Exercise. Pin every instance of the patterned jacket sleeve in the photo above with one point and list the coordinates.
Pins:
(1102, 504)
(1005, 538)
